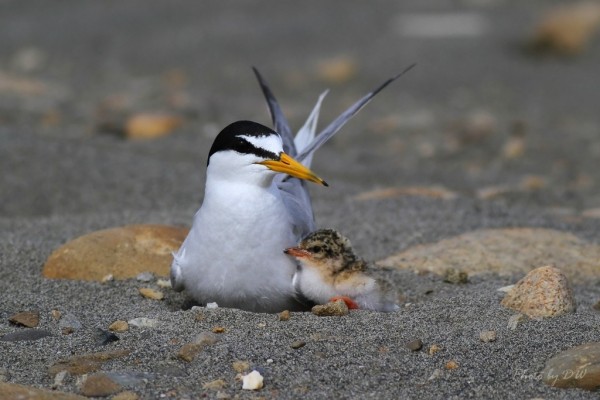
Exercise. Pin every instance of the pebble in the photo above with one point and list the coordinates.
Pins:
(284, 315)
(596, 306)
(506, 252)
(543, 292)
(515, 320)
(576, 367)
(59, 379)
(436, 374)
(298, 344)
(241, 366)
(130, 379)
(56, 314)
(103, 337)
(119, 326)
(143, 322)
(252, 381)
(126, 395)
(69, 323)
(487, 336)
(150, 125)
(189, 351)
(215, 385)
(122, 252)
(84, 364)
(25, 335)
(218, 329)
(212, 305)
(99, 385)
(336, 308)
(164, 283)
(414, 345)
(150, 293)
(451, 365)
(434, 348)
(29, 319)
(145, 276)
(455, 276)
(15, 391)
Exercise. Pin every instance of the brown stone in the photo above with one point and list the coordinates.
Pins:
(151, 125)
(30, 319)
(336, 308)
(414, 345)
(576, 367)
(14, 391)
(543, 292)
(215, 385)
(189, 351)
(241, 366)
(79, 365)
(99, 385)
(284, 315)
(451, 365)
(505, 252)
(152, 294)
(119, 326)
(123, 252)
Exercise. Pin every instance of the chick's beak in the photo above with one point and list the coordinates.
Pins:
(297, 252)
(288, 165)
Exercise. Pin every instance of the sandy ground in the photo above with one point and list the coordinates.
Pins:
(73, 68)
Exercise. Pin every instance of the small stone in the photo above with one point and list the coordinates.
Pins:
(456, 276)
(145, 276)
(25, 335)
(212, 305)
(107, 278)
(596, 306)
(59, 379)
(505, 289)
(30, 319)
(337, 70)
(215, 385)
(164, 283)
(241, 366)
(414, 345)
(103, 337)
(119, 326)
(218, 329)
(84, 364)
(143, 322)
(150, 293)
(151, 125)
(67, 331)
(451, 365)
(15, 391)
(298, 344)
(515, 320)
(126, 395)
(123, 252)
(69, 321)
(252, 381)
(56, 314)
(189, 351)
(99, 385)
(576, 367)
(435, 375)
(284, 315)
(336, 308)
(543, 292)
(487, 336)
(434, 348)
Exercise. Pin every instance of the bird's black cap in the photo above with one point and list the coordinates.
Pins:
(230, 138)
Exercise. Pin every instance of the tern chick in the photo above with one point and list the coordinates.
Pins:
(328, 269)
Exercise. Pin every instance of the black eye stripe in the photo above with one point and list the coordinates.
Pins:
(230, 139)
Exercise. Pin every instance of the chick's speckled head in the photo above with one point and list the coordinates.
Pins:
(326, 249)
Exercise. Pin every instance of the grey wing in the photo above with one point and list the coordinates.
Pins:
(340, 121)
(279, 121)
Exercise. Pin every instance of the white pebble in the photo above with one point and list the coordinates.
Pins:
(252, 381)
(163, 283)
(212, 305)
(506, 289)
(143, 322)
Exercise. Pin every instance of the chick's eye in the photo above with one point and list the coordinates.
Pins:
(315, 249)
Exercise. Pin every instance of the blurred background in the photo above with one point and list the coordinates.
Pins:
(113, 105)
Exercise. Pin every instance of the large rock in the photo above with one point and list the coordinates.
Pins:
(504, 251)
(14, 391)
(543, 292)
(122, 252)
(576, 367)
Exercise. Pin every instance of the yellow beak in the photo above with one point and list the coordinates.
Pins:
(288, 165)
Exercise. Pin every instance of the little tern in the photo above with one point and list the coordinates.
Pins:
(256, 204)
(329, 269)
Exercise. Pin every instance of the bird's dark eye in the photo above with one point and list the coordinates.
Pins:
(315, 249)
